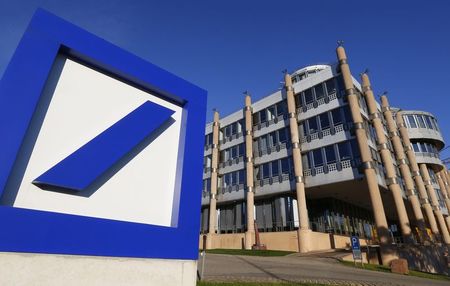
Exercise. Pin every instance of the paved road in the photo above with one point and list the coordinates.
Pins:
(301, 269)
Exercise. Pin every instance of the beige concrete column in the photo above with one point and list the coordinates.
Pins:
(383, 149)
(250, 233)
(403, 166)
(416, 174)
(303, 230)
(367, 163)
(435, 203)
(440, 178)
(213, 195)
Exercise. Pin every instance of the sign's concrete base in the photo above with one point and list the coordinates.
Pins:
(47, 269)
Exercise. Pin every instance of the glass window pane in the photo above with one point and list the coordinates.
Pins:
(416, 147)
(305, 161)
(317, 157)
(241, 176)
(263, 116)
(241, 149)
(344, 151)
(275, 168)
(280, 108)
(312, 123)
(355, 148)
(320, 92)
(234, 152)
(324, 121)
(331, 87)
(420, 120)
(329, 153)
(265, 169)
(273, 139)
(308, 96)
(284, 166)
(423, 147)
(255, 118)
(412, 121)
(428, 121)
(298, 100)
(271, 112)
(348, 114)
(282, 135)
(336, 115)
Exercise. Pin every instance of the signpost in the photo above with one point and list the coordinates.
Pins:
(356, 249)
(100, 164)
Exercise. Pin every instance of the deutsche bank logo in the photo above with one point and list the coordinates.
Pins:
(100, 144)
(80, 169)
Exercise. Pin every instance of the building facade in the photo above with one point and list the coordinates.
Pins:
(320, 160)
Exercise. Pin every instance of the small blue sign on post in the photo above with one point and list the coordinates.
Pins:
(356, 248)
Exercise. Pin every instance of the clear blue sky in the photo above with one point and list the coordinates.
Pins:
(228, 47)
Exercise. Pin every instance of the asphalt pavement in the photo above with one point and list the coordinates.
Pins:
(295, 268)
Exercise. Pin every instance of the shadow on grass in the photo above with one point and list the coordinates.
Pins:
(382, 268)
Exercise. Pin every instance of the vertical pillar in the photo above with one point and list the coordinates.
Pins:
(403, 166)
(383, 149)
(367, 163)
(250, 233)
(214, 169)
(441, 181)
(416, 175)
(303, 230)
(435, 203)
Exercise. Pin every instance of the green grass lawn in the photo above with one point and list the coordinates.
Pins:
(254, 284)
(382, 268)
(249, 252)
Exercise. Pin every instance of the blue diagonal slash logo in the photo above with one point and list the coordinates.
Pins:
(80, 169)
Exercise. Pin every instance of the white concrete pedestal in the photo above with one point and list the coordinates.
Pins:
(48, 269)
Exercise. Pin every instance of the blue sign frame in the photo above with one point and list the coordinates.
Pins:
(25, 230)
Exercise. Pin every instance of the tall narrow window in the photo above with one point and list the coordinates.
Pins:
(317, 157)
(284, 166)
(428, 121)
(266, 170)
(281, 108)
(331, 87)
(336, 116)
(263, 116)
(309, 96)
(282, 135)
(312, 124)
(275, 168)
(320, 92)
(420, 121)
(412, 121)
(256, 118)
(324, 121)
(329, 153)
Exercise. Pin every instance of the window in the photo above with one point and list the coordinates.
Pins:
(241, 148)
(348, 114)
(423, 147)
(271, 112)
(298, 100)
(208, 139)
(324, 121)
(312, 123)
(256, 118)
(420, 120)
(317, 157)
(355, 148)
(263, 116)
(416, 147)
(329, 153)
(412, 121)
(309, 96)
(273, 138)
(234, 180)
(305, 161)
(241, 176)
(266, 170)
(331, 87)
(282, 135)
(336, 116)
(234, 152)
(428, 121)
(284, 166)
(275, 168)
(344, 151)
(281, 106)
(320, 92)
